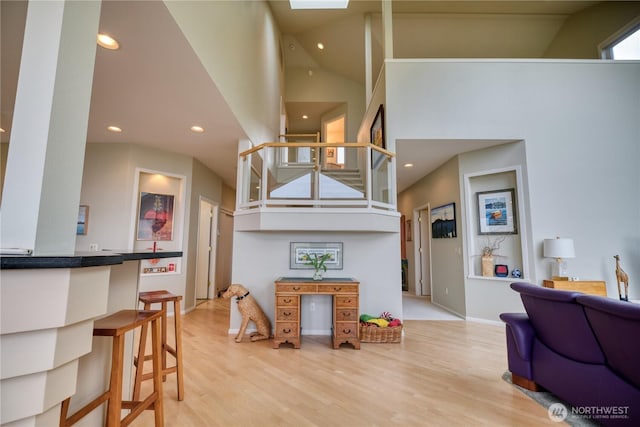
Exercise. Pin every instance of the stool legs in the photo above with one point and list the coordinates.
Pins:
(165, 348)
(115, 326)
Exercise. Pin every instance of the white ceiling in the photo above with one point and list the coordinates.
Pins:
(155, 88)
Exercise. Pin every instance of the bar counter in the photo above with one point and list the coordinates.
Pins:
(47, 310)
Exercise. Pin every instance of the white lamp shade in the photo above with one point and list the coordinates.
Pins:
(559, 248)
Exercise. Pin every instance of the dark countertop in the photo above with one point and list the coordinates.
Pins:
(81, 259)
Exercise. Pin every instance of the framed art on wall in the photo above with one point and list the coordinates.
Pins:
(83, 220)
(155, 220)
(497, 212)
(376, 135)
(443, 222)
(300, 252)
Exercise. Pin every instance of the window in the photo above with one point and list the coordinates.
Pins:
(624, 44)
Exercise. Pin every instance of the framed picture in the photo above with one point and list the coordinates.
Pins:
(443, 222)
(497, 212)
(377, 137)
(300, 255)
(155, 220)
(409, 231)
(83, 219)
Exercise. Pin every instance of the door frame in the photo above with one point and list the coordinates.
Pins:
(420, 231)
(213, 243)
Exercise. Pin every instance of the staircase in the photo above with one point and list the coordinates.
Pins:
(349, 177)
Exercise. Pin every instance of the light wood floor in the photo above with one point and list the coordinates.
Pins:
(444, 373)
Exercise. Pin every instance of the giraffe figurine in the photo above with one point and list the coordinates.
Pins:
(621, 276)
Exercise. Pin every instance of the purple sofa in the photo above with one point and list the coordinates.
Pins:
(585, 349)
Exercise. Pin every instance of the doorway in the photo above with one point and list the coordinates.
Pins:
(334, 131)
(423, 252)
(206, 250)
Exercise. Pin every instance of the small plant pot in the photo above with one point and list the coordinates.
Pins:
(317, 275)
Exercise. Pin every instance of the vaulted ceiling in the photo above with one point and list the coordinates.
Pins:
(155, 94)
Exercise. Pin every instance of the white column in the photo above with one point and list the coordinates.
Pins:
(387, 28)
(48, 135)
(368, 62)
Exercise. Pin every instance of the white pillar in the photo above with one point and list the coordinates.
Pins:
(387, 29)
(48, 134)
(368, 62)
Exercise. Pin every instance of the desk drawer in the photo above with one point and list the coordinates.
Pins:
(296, 287)
(289, 314)
(337, 288)
(350, 301)
(346, 314)
(346, 330)
(286, 330)
(287, 300)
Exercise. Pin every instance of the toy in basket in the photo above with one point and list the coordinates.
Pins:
(380, 329)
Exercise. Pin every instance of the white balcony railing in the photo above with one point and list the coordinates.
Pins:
(315, 175)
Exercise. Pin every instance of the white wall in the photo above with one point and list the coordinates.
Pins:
(108, 188)
(579, 121)
(238, 44)
(372, 258)
(324, 86)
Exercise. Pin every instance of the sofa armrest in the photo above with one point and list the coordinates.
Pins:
(522, 333)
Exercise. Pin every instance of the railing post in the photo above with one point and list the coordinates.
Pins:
(369, 175)
(264, 179)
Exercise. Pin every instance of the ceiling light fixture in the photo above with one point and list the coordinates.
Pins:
(304, 116)
(319, 4)
(320, 46)
(408, 165)
(114, 129)
(1, 130)
(197, 129)
(108, 42)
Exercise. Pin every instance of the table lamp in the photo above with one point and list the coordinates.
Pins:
(560, 249)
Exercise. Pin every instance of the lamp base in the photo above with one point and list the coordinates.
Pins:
(559, 269)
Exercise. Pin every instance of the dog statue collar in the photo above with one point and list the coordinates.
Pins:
(242, 297)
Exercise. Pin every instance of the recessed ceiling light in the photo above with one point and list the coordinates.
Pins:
(304, 116)
(408, 165)
(114, 129)
(320, 46)
(197, 129)
(1, 130)
(108, 42)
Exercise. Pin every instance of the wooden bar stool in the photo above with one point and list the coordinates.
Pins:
(116, 325)
(162, 297)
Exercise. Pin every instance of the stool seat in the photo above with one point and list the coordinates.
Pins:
(115, 326)
(153, 297)
(163, 298)
(123, 321)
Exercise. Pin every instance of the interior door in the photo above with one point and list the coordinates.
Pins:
(205, 257)
(424, 250)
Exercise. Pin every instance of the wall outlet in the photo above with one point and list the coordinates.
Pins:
(93, 246)
(446, 291)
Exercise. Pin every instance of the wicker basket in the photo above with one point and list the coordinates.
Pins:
(373, 333)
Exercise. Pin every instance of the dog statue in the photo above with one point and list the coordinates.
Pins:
(249, 310)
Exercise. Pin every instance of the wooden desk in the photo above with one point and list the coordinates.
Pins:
(593, 287)
(346, 315)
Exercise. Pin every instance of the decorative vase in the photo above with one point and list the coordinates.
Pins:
(317, 275)
(487, 266)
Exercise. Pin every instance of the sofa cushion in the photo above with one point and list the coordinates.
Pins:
(560, 322)
(616, 325)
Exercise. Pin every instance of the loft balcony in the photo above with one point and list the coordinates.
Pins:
(298, 185)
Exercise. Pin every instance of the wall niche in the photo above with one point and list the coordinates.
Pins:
(494, 210)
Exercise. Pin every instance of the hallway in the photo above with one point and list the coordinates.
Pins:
(421, 308)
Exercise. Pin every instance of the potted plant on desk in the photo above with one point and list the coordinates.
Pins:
(318, 264)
